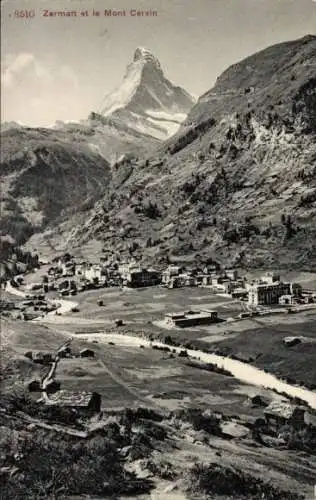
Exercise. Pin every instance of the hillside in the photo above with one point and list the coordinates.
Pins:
(237, 181)
(108, 136)
(45, 176)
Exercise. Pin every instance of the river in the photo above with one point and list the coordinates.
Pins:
(242, 371)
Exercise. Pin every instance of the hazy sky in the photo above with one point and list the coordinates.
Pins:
(61, 68)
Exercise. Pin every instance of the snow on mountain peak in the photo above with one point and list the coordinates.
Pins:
(146, 100)
(141, 53)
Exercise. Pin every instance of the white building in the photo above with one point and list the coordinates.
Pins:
(93, 273)
(267, 293)
(270, 278)
(169, 273)
(126, 268)
(89, 272)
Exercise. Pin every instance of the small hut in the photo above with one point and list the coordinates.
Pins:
(64, 352)
(279, 413)
(87, 403)
(87, 353)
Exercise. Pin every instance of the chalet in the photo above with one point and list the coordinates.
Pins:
(89, 272)
(191, 318)
(279, 413)
(93, 273)
(216, 279)
(223, 285)
(88, 403)
(211, 268)
(270, 278)
(126, 267)
(182, 280)
(80, 268)
(207, 279)
(296, 289)
(67, 268)
(239, 293)
(232, 274)
(42, 357)
(64, 352)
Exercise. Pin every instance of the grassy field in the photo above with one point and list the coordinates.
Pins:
(124, 375)
(128, 375)
(264, 344)
(259, 340)
(131, 376)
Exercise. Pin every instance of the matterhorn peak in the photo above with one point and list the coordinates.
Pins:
(146, 100)
(146, 55)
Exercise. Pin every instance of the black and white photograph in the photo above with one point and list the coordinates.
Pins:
(158, 250)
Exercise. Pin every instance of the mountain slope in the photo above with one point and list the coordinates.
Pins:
(109, 136)
(146, 100)
(238, 181)
(44, 176)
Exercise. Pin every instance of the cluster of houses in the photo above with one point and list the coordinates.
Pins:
(132, 274)
(267, 290)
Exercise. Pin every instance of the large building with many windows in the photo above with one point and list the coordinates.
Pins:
(137, 278)
(267, 293)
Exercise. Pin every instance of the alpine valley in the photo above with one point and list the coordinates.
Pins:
(235, 181)
(158, 288)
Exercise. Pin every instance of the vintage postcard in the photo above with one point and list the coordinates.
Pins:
(158, 249)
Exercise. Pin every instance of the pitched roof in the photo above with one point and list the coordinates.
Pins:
(281, 409)
(66, 398)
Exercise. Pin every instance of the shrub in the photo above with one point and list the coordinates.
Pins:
(151, 210)
(214, 479)
(199, 420)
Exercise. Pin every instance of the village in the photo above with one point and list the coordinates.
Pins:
(67, 276)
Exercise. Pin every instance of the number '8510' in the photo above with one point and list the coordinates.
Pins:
(24, 13)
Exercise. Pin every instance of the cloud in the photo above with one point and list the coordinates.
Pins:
(25, 70)
(14, 68)
(36, 90)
